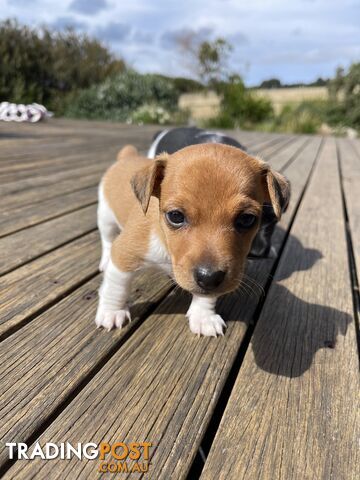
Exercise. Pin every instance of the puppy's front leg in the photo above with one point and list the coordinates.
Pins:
(114, 291)
(203, 319)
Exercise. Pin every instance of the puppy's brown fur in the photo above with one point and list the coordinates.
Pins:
(211, 184)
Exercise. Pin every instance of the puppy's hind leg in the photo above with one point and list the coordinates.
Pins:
(108, 228)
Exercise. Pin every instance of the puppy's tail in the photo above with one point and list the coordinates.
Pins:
(127, 151)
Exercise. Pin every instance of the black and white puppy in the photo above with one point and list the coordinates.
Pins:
(174, 139)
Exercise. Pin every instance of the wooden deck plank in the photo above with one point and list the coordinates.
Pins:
(268, 149)
(350, 167)
(68, 130)
(183, 394)
(79, 178)
(32, 165)
(19, 187)
(28, 148)
(356, 144)
(25, 245)
(43, 149)
(59, 348)
(58, 164)
(250, 139)
(54, 276)
(293, 410)
(29, 162)
(23, 217)
(289, 152)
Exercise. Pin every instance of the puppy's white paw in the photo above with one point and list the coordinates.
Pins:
(105, 257)
(205, 323)
(112, 318)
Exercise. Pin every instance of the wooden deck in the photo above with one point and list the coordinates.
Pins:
(275, 398)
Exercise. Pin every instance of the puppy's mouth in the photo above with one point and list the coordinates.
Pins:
(213, 293)
(223, 289)
(205, 283)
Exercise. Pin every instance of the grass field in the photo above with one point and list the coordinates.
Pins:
(284, 96)
(206, 105)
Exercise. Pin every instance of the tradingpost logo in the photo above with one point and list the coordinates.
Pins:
(114, 457)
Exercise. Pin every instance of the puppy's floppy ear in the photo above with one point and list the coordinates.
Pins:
(277, 188)
(147, 181)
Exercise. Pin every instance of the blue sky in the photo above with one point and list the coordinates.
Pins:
(294, 40)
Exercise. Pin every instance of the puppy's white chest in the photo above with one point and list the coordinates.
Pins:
(157, 255)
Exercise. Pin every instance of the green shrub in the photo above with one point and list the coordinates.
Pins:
(150, 114)
(345, 112)
(334, 113)
(304, 118)
(187, 85)
(222, 120)
(42, 66)
(303, 122)
(180, 117)
(239, 106)
(352, 95)
(117, 98)
(154, 114)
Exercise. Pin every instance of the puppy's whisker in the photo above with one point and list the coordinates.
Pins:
(252, 281)
(242, 288)
(247, 288)
(177, 289)
(241, 292)
(255, 283)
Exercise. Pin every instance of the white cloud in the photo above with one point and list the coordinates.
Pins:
(87, 7)
(296, 40)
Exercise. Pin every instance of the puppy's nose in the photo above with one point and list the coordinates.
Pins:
(207, 278)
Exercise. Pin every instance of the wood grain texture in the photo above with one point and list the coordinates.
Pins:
(293, 412)
(251, 139)
(350, 167)
(81, 179)
(270, 149)
(356, 144)
(61, 164)
(287, 154)
(44, 153)
(23, 217)
(25, 245)
(19, 187)
(163, 383)
(50, 158)
(52, 274)
(45, 360)
(269, 139)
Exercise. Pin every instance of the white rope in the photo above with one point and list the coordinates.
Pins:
(12, 112)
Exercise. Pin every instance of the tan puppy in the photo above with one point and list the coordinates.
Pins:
(193, 214)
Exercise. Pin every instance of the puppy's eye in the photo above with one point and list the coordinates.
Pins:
(245, 221)
(175, 218)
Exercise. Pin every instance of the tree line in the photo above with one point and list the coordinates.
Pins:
(44, 66)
